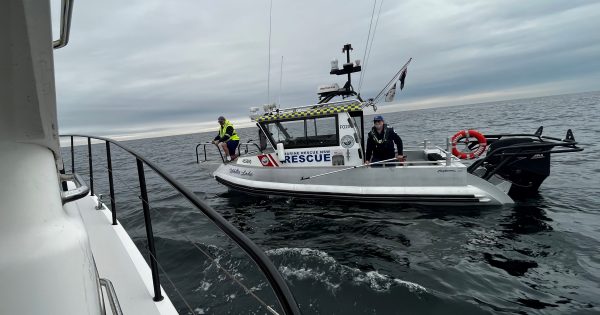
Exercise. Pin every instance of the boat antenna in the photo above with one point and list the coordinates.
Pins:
(269, 66)
(280, 81)
(365, 61)
(367, 43)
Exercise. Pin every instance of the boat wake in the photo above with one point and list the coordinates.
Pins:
(316, 265)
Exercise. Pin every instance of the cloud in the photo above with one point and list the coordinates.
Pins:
(136, 65)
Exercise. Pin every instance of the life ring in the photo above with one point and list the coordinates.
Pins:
(482, 141)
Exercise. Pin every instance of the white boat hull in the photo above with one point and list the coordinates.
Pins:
(435, 184)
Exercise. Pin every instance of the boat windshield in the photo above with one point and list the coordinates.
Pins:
(304, 133)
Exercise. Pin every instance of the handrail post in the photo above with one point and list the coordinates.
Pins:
(221, 154)
(72, 157)
(113, 206)
(149, 234)
(91, 166)
(63, 183)
(448, 154)
(278, 284)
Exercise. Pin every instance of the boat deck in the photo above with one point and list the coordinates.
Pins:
(118, 260)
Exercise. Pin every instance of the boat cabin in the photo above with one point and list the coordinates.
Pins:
(322, 134)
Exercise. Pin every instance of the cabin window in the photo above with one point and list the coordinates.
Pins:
(304, 133)
(290, 133)
(262, 140)
(322, 132)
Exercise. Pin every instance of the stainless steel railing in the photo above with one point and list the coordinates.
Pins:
(204, 144)
(115, 307)
(65, 24)
(282, 292)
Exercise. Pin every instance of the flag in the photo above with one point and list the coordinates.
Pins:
(391, 93)
(402, 77)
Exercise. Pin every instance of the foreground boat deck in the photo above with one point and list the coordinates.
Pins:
(118, 260)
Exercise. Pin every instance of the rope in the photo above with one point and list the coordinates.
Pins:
(366, 46)
(248, 291)
(371, 45)
(153, 257)
(172, 283)
(213, 260)
(269, 67)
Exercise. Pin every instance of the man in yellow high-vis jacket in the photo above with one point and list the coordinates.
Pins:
(227, 139)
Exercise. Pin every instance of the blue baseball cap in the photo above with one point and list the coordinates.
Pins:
(378, 117)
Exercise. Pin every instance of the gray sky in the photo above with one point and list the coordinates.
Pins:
(141, 65)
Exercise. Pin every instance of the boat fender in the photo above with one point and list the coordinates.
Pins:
(280, 152)
(468, 134)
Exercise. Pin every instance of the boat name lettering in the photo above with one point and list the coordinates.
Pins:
(308, 152)
(241, 173)
(310, 156)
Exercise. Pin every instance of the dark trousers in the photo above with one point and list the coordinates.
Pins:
(232, 145)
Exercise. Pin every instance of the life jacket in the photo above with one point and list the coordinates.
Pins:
(227, 123)
(386, 132)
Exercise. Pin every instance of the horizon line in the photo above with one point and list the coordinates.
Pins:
(175, 129)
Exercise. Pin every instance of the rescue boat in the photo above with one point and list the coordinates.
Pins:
(318, 151)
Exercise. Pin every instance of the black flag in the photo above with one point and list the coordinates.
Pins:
(402, 77)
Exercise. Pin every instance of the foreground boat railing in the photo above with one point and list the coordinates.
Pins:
(278, 285)
(115, 307)
(246, 146)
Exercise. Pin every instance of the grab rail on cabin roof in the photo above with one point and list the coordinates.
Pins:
(282, 292)
(296, 108)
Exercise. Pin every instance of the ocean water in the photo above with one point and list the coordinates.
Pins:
(540, 256)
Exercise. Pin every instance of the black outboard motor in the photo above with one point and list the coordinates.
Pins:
(526, 169)
(522, 159)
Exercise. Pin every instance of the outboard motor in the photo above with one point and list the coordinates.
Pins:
(525, 167)
(522, 159)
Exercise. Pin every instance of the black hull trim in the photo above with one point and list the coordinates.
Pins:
(383, 198)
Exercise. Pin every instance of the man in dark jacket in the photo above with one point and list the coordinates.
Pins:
(380, 143)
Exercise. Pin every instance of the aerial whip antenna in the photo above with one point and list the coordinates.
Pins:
(280, 80)
(269, 67)
(365, 61)
(367, 45)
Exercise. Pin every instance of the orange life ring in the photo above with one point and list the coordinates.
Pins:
(468, 134)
